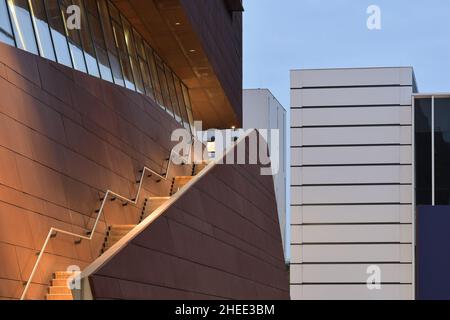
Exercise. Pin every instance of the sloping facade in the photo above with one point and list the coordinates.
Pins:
(85, 141)
(66, 138)
(219, 240)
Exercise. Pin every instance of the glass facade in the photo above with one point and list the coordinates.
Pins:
(432, 148)
(423, 151)
(442, 150)
(106, 46)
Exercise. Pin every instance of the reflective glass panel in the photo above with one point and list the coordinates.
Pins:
(43, 36)
(173, 94)
(58, 33)
(98, 39)
(163, 82)
(187, 102)
(74, 39)
(123, 55)
(423, 151)
(180, 97)
(6, 34)
(442, 150)
(87, 43)
(154, 75)
(22, 25)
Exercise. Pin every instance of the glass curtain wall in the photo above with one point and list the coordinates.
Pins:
(106, 46)
(432, 148)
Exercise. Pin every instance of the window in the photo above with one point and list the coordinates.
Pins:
(58, 34)
(119, 39)
(87, 43)
(442, 150)
(154, 75)
(163, 83)
(106, 46)
(131, 48)
(187, 102)
(423, 151)
(98, 40)
(173, 94)
(6, 34)
(74, 39)
(22, 25)
(110, 43)
(43, 36)
(180, 97)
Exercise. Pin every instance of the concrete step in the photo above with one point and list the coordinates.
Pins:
(64, 290)
(59, 297)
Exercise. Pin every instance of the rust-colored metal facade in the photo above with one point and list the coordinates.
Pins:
(66, 137)
(221, 240)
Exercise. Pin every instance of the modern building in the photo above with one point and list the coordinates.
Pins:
(352, 176)
(432, 161)
(89, 194)
(261, 110)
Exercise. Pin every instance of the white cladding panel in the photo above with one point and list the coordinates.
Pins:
(350, 234)
(350, 116)
(351, 155)
(351, 175)
(351, 194)
(348, 273)
(350, 136)
(386, 213)
(351, 182)
(351, 253)
(352, 292)
(351, 77)
(351, 97)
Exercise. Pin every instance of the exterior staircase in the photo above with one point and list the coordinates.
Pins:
(115, 233)
(59, 289)
(178, 183)
(197, 168)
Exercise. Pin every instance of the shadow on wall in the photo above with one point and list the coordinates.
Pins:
(220, 240)
(65, 138)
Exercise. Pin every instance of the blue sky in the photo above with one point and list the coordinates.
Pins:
(280, 35)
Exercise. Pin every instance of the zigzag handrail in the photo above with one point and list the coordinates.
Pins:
(90, 234)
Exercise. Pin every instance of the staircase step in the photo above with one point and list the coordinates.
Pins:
(63, 275)
(118, 233)
(179, 182)
(64, 290)
(115, 233)
(59, 283)
(158, 198)
(59, 297)
(114, 238)
(109, 244)
(155, 202)
(120, 227)
(199, 167)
